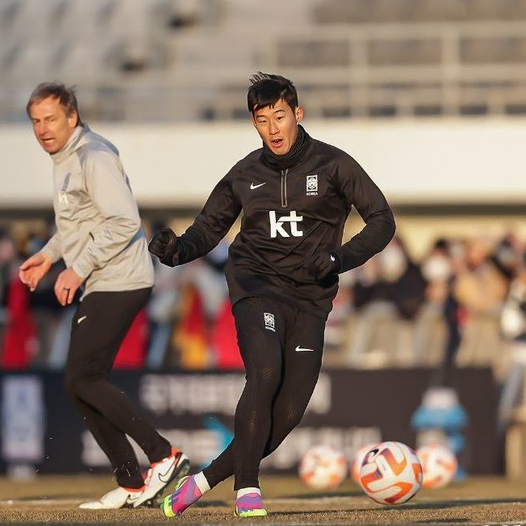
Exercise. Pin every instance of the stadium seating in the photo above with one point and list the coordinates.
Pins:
(348, 57)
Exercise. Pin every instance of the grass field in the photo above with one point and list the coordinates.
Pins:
(484, 500)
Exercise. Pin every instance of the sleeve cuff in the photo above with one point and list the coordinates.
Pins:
(53, 255)
(80, 270)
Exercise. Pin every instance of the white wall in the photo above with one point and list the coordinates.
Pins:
(433, 161)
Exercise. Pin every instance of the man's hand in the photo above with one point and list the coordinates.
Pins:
(34, 269)
(67, 283)
(164, 246)
(324, 265)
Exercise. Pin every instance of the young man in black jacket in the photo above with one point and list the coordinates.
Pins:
(295, 194)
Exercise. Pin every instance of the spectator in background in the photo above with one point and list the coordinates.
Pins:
(390, 286)
(161, 311)
(18, 343)
(513, 328)
(508, 255)
(46, 309)
(211, 284)
(100, 239)
(440, 310)
(7, 268)
(481, 287)
(204, 292)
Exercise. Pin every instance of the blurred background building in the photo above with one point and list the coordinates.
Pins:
(187, 60)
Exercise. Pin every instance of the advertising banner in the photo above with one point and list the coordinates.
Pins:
(40, 429)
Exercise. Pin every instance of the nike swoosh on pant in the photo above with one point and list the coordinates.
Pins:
(303, 349)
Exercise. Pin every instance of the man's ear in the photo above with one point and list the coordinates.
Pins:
(73, 119)
(299, 113)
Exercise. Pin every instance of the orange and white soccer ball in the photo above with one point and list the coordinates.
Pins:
(391, 473)
(323, 467)
(439, 465)
(356, 463)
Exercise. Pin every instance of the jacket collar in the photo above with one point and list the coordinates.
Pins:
(71, 145)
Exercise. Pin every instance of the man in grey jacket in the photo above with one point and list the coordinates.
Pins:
(100, 238)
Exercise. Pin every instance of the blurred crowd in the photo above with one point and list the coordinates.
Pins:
(462, 303)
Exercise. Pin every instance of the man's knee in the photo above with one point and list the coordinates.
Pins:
(70, 386)
(264, 381)
(78, 385)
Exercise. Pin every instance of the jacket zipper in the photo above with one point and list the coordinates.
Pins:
(284, 202)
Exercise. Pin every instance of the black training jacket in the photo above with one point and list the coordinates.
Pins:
(289, 217)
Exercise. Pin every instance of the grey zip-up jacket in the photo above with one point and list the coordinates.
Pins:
(99, 231)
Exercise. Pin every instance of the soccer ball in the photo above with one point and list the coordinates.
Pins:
(356, 463)
(390, 473)
(439, 465)
(323, 467)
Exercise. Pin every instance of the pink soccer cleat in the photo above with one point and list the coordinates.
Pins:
(250, 505)
(185, 494)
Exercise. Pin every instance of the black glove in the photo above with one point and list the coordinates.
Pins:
(324, 265)
(164, 246)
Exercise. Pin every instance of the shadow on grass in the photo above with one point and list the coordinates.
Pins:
(210, 503)
(409, 507)
(309, 496)
(437, 505)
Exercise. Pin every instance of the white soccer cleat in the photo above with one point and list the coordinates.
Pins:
(114, 500)
(160, 475)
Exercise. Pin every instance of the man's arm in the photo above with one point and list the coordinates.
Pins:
(210, 226)
(359, 190)
(37, 266)
(53, 249)
(111, 195)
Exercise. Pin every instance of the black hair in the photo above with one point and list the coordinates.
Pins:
(267, 89)
(65, 95)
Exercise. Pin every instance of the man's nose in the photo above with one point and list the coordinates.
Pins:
(41, 128)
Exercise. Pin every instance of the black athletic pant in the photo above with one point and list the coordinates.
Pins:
(98, 328)
(281, 348)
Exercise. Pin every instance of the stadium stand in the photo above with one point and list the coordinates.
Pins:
(349, 58)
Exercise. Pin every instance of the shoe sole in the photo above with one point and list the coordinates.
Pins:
(251, 513)
(166, 509)
(182, 469)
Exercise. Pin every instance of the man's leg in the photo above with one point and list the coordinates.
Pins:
(260, 330)
(98, 328)
(260, 333)
(302, 363)
(118, 449)
(300, 373)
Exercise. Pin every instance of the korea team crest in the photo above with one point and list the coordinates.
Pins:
(268, 318)
(311, 185)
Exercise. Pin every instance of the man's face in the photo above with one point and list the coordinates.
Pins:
(51, 125)
(278, 126)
